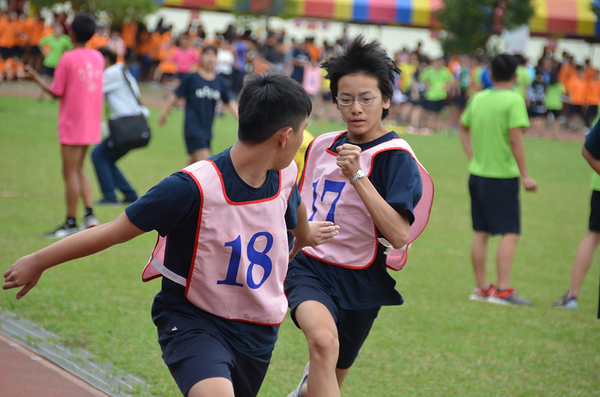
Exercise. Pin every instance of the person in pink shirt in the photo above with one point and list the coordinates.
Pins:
(185, 55)
(78, 84)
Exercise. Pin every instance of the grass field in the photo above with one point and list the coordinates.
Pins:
(438, 344)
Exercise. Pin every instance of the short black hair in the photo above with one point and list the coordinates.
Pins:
(210, 48)
(369, 59)
(108, 53)
(503, 67)
(268, 103)
(84, 27)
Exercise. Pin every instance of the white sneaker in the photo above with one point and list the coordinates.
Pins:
(88, 222)
(298, 391)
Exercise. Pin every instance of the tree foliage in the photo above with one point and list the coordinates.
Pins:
(116, 11)
(469, 24)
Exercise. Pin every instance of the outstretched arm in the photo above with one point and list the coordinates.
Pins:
(32, 74)
(311, 233)
(26, 271)
(167, 109)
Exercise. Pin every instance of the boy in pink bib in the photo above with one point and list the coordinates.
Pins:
(223, 249)
(368, 181)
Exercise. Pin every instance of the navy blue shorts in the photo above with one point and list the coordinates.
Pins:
(575, 109)
(435, 106)
(197, 142)
(595, 211)
(194, 350)
(48, 71)
(495, 205)
(353, 325)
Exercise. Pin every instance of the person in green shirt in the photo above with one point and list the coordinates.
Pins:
(585, 253)
(491, 132)
(53, 47)
(554, 101)
(524, 78)
(437, 79)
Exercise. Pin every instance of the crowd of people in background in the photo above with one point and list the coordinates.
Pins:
(429, 95)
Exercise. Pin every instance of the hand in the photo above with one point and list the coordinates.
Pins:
(529, 184)
(320, 232)
(25, 273)
(30, 74)
(162, 119)
(348, 159)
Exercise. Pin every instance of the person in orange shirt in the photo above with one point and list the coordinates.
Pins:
(143, 51)
(154, 47)
(8, 38)
(593, 99)
(128, 34)
(166, 69)
(589, 71)
(99, 39)
(13, 68)
(577, 91)
(34, 54)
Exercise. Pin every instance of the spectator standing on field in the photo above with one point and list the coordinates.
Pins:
(78, 84)
(491, 133)
(53, 47)
(122, 93)
(585, 253)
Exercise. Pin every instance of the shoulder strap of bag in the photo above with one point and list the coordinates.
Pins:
(130, 87)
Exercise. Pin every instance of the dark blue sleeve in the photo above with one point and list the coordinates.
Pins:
(396, 177)
(291, 214)
(486, 80)
(224, 90)
(167, 205)
(182, 90)
(592, 141)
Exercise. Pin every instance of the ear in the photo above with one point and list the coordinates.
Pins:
(284, 135)
(386, 102)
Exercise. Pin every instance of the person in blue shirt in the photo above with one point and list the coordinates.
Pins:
(201, 91)
(209, 354)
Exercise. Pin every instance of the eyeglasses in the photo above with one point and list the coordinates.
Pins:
(348, 100)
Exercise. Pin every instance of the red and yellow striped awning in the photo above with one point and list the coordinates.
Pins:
(551, 17)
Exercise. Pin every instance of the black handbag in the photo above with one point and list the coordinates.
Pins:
(128, 132)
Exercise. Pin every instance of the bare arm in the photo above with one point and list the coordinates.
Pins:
(394, 226)
(310, 233)
(233, 107)
(465, 139)
(32, 74)
(518, 150)
(593, 162)
(26, 271)
(172, 101)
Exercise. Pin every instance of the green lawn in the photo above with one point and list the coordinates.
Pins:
(438, 344)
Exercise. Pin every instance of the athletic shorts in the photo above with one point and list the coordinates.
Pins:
(435, 106)
(34, 50)
(194, 350)
(555, 112)
(495, 205)
(48, 71)
(353, 325)
(595, 211)
(575, 109)
(6, 53)
(196, 142)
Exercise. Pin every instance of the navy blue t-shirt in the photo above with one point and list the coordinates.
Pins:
(592, 141)
(201, 97)
(396, 178)
(172, 208)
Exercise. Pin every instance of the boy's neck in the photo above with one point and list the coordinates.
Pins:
(503, 85)
(207, 74)
(250, 163)
(78, 45)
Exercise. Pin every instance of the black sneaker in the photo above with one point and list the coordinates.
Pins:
(62, 231)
